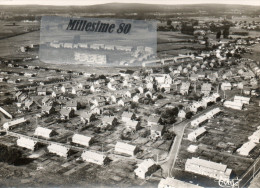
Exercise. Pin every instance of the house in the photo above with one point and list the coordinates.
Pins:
(30, 105)
(226, 86)
(133, 125)
(66, 114)
(11, 124)
(195, 106)
(153, 120)
(130, 94)
(125, 148)
(60, 150)
(244, 100)
(157, 131)
(246, 148)
(174, 183)
(149, 86)
(41, 91)
(44, 132)
(123, 102)
(87, 117)
(82, 140)
(192, 148)
(148, 94)
(206, 88)
(146, 168)
(72, 105)
(182, 114)
(140, 89)
(208, 168)
(237, 105)
(108, 121)
(96, 110)
(46, 100)
(185, 87)
(193, 136)
(136, 98)
(27, 143)
(95, 158)
(165, 88)
(48, 109)
(194, 77)
(127, 116)
(247, 90)
(255, 137)
(17, 94)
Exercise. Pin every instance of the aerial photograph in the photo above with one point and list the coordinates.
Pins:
(110, 93)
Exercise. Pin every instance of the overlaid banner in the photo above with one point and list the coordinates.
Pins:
(97, 41)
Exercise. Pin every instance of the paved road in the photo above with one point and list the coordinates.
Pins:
(179, 129)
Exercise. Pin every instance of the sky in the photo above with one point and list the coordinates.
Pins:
(93, 2)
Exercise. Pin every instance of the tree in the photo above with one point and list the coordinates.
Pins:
(218, 35)
(226, 33)
(188, 115)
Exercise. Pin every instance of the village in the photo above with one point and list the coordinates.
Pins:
(188, 114)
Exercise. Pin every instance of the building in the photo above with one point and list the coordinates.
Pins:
(157, 130)
(11, 124)
(184, 89)
(127, 116)
(208, 168)
(153, 120)
(192, 148)
(226, 86)
(72, 105)
(255, 137)
(41, 91)
(125, 148)
(174, 183)
(82, 140)
(206, 88)
(108, 121)
(146, 168)
(44, 132)
(60, 150)
(237, 105)
(244, 100)
(133, 125)
(246, 148)
(95, 158)
(48, 109)
(66, 114)
(27, 143)
(193, 136)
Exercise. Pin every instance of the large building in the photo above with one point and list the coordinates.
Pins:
(97, 59)
(27, 143)
(125, 148)
(82, 139)
(174, 183)
(59, 150)
(93, 157)
(146, 168)
(208, 168)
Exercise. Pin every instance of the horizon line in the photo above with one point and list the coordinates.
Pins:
(142, 3)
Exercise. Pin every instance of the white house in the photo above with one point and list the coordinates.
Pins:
(226, 86)
(43, 132)
(10, 124)
(237, 105)
(174, 183)
(26, 143)
(208, 168)
(93, 157)
(125, 148)
(146, 168)
(193, 136)
(58, 150)
(244, 100)
(246, 148)
(82, 140)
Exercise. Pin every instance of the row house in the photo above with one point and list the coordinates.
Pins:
(196, 134)
(208, 168)
(185, 87)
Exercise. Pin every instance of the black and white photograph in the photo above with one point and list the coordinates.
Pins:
(130, 93)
